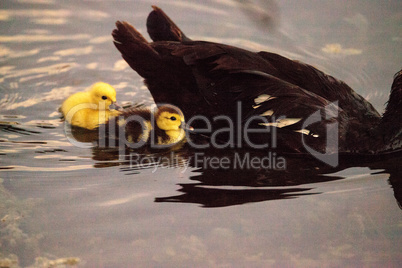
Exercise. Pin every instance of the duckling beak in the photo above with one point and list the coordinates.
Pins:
(115, 106)
(186, 127)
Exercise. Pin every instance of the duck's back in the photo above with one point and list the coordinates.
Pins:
(80, 111)
(75, 110)
(161, 28)
(209, 79)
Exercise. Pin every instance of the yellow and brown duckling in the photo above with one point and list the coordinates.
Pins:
(89, 109)
(163, 126)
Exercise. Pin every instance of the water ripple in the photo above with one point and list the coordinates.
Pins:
(12, 102)
(39, 38)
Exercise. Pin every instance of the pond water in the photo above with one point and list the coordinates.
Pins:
(86, 206)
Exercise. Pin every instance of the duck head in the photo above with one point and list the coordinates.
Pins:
(170, 119)
(103, 95)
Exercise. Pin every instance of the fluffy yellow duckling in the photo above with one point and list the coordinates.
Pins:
(165, 126)
(89, 109)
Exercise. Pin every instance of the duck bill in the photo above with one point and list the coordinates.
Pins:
(186, 127)
(115, 106)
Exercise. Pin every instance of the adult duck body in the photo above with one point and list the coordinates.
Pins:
(305, 108)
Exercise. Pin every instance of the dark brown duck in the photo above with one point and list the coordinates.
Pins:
(211, 79)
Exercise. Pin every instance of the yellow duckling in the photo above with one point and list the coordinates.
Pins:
(90, 109)
(165, 126)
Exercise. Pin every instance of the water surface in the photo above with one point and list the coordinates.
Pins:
(85, 203)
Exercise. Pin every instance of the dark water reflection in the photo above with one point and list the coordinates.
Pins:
(58, 200)
(239, 182)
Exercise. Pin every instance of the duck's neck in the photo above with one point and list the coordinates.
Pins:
(176, 135)
(390, 126)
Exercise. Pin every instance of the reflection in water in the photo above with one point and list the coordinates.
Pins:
(211, 188)
(338, 49)
(396, 183)
(12, 127)
(265, 14)
(210, 197)
(392, 165)
(50, 16)
(36, 38)
(217, 187)
(233, 177)
(234, 181)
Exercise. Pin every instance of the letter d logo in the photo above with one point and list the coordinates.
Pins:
(330, 156)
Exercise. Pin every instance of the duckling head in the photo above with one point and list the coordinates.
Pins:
(170, 119)
(103, 95)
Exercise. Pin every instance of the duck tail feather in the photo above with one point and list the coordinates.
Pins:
(135, 49)
(161, 28)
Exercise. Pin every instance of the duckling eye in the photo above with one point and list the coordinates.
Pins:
(173, 118)
(104, 98)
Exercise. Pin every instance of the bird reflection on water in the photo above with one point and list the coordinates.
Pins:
(222, 187)
(247, 186)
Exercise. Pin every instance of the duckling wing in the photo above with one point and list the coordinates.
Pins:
(75, 111)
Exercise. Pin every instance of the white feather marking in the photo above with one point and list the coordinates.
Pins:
(262, 98)
(303, 131)
(282, 122)
(307, 132)
(267, 113)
